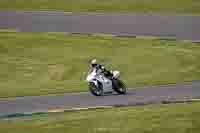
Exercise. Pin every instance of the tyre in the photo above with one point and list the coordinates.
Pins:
(96, 90)
(119, 86)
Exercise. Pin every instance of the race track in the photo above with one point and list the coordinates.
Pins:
(147, 95)
(180, 27)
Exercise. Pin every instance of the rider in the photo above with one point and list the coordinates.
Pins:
(100, 68)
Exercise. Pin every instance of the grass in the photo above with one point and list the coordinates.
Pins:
(144, 6)
(49, 63)
(177, 118)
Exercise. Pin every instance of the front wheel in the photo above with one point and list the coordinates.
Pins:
(95, 90)
(119, 86)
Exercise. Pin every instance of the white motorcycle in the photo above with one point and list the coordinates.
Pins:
(99, 84)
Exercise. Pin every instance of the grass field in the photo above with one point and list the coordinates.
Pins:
(46, 63)
(176, 118)
(144, 6)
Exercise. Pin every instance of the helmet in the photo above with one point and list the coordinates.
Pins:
(93, 62)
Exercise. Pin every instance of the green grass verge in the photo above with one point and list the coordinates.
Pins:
(177, 118)
(144, 6)
(46, 63)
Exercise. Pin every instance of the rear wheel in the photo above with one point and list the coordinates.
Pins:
(119, 86)
(96, 90)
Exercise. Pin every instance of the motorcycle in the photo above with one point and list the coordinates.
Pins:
(99, 84)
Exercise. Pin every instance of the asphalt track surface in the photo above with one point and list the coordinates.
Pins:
(179, 27)
(147, 95)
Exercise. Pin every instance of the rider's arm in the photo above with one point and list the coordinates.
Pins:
(90, 70)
